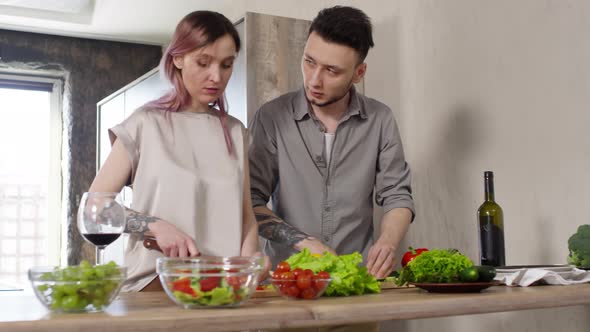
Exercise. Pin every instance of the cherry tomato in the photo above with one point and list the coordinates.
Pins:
(208, 283)
(234, 282)
(308, 293)
(183, 285)
(318, 283)
(283, 290)
(297, 272)
(288, 279)
(304, 281)
(276, 279)
(292, 291)
(283, 267)
(278, 284)
(211, 271)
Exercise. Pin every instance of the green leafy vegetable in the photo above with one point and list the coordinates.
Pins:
(218, 296)
(436, 266)
(579, 246)
(348, 278)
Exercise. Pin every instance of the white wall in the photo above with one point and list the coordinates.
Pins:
(505, 86)
(486, 85)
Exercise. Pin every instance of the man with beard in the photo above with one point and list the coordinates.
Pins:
(325, 151)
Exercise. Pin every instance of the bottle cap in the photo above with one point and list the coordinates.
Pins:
(488, 174)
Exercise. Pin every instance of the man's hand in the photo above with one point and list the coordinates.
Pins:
(381, 259)
(314, 245)
(265, 273)
(394, 225)
(172, 241)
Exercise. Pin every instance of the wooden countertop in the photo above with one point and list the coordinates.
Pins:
(156, 312)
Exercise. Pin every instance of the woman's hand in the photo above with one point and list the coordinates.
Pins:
(172, 241)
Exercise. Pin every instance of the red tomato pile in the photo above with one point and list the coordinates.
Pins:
(298, 283)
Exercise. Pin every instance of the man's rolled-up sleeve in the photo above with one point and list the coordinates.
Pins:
(393, 187)
(263, 158)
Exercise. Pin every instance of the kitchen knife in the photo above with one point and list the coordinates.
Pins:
(150, 243)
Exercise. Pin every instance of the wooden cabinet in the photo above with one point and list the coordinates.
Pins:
(269, 64)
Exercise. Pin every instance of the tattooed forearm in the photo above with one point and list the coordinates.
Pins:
(137, 222)
(275, 229)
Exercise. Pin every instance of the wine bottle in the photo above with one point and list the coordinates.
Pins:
(491, 226)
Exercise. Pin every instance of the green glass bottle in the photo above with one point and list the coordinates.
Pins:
(491, 226)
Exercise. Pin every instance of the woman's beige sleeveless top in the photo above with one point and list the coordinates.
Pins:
(182, 172)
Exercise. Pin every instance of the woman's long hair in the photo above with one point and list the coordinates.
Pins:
(195, 30)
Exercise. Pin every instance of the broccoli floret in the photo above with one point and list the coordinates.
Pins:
(579, 246)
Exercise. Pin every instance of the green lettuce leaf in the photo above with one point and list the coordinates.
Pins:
(216, 297)
(437, 266)
(348, 277)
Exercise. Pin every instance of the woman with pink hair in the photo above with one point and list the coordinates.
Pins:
(185, 157)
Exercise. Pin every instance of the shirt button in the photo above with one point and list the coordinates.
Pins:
(318, 158)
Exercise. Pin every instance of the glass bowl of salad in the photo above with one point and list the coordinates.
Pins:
(81, 288)
(209, 281)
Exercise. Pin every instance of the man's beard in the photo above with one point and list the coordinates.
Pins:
(330, 101)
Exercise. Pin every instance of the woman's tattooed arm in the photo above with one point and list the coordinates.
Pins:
(138, 222)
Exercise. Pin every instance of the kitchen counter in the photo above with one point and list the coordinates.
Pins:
(156, 312)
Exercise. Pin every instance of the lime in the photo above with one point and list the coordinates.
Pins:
(469, 274)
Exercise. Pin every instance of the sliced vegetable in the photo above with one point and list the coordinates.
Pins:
(183, 285)
(209, 283)
(210, 291)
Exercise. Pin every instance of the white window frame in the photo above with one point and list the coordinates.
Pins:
(55, 186)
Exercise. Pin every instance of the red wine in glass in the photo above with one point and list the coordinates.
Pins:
(101, 220)
(102, 240)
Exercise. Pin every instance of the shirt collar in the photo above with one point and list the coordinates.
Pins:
(301, 106)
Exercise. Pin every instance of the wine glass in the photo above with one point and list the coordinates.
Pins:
(101, 220)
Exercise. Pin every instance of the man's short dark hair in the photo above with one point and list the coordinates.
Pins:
(347, 26)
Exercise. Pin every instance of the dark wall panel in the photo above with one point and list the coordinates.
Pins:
(91, 70)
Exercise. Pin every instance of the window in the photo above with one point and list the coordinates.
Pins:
(30, 175)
